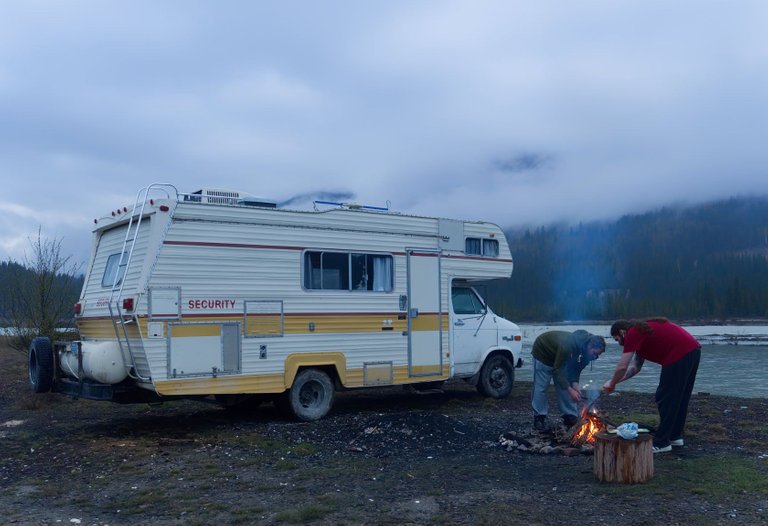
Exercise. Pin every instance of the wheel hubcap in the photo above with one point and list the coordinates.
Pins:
(498, 377)
(310, 394)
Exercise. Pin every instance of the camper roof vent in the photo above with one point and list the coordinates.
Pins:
(252, 200)
(218, 196)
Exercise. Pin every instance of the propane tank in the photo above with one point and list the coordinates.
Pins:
(102, 362)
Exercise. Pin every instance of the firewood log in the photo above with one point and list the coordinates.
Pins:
(623, 461)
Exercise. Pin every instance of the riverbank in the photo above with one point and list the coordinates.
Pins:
(383, 456)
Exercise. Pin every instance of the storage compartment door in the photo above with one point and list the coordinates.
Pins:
(203, 349)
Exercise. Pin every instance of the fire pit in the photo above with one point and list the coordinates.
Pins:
(574, 440)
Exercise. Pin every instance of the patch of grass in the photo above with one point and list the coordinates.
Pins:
(212, 468)
(253, 461)
(286, 465)
(339, 467)
(491, 402)
(313, 512)
(138, 501)
(267, 487)
(128, 469)
(304, 449)
(723, 476)
(715, 478)
(714, 432)
(648, 419)
(268, 444)
(34, 402)
(753, 426)
(245, 515)
(50, 490)
(502, 513)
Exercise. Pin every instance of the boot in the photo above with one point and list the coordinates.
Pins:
(540, 422)
(570, 420)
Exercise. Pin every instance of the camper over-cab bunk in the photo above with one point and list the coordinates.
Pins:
(221, 295)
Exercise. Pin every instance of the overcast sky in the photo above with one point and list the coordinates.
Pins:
(508, 111)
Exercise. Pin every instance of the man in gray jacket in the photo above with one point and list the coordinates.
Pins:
(561, 356)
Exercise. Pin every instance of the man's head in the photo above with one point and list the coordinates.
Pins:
(619, 330)
(595, 346)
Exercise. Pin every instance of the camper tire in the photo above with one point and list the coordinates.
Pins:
(496, 377)
(311, 395)
(41, 365)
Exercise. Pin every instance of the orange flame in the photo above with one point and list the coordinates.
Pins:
(591, 424)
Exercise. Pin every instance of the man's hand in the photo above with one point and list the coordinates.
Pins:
(575, 394)
(608, 387)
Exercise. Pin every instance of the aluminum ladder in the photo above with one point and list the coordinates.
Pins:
(115, 304)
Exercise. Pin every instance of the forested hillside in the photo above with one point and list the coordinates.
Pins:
(705, 262)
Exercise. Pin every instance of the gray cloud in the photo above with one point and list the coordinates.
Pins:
(514, 112)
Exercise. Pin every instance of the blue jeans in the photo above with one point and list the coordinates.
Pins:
(542, 376)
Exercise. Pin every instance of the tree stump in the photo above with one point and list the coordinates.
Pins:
(624, 461)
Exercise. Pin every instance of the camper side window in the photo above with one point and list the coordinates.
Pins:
(491, 247)
(475, 246)
(112, 269)
(371, 272)
(347, 271)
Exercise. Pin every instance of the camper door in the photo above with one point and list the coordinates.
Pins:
(425, 316)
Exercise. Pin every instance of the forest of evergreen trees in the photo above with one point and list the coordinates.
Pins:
(13, 275)
(708, 262)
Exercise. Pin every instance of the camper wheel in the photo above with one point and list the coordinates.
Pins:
(496, 377)
(41, 365)
(311, 395)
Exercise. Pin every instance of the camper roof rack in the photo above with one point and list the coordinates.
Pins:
(352, 206)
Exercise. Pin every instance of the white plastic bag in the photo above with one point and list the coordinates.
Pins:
(627, 430)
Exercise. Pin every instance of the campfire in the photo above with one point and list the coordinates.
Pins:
(588, 426)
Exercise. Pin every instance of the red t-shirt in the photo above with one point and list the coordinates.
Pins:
(666, 344)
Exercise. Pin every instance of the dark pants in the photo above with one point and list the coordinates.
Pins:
(673, 395)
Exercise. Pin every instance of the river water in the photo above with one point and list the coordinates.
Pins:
(733, 360)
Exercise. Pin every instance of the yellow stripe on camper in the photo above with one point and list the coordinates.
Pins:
(102, 328)
(195, 330)
(276, 383)
(263, 383)
(342, 323)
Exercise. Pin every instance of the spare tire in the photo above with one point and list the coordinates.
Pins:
(41, 365)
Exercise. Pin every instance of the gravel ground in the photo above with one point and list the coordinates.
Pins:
(384, 456)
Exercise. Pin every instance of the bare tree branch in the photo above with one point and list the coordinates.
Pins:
(39, 299)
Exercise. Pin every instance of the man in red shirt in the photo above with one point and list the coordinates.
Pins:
(678, 353)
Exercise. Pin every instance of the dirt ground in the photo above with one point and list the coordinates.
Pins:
(385, 456)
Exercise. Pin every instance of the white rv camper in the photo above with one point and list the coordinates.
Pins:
(218, 294)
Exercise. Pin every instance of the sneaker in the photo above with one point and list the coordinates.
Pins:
(678, 442)
(664, 449)
(540, 422)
